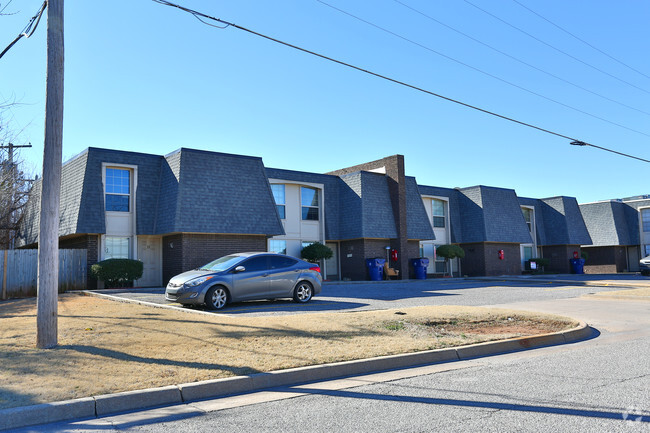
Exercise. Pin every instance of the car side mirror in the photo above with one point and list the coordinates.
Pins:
(240, 269)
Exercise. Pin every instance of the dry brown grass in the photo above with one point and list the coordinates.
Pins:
(107, 346)
(640, 294)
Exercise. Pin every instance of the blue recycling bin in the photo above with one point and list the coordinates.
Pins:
(420, 267)
(376, 269)
(578, 266)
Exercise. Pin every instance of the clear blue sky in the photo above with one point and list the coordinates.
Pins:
(144, 77)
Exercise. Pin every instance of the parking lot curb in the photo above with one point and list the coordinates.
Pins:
(111, 404)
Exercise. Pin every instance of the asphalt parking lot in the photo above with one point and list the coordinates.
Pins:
(356, 296)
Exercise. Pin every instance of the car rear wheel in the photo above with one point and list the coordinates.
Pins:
(303, 292)
(216, 298)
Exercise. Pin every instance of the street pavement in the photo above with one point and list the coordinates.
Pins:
(601, 384)
(359, 296)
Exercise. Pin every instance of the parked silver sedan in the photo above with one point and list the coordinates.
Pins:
(244, 277)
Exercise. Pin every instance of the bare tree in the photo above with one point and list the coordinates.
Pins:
(15, 183)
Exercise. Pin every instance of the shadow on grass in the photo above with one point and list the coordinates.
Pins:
(122, 356)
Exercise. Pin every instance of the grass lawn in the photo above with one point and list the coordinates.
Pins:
(106, 346)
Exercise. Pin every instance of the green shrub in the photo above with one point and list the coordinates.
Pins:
(450, 251)
(117, 272)
(315, 252)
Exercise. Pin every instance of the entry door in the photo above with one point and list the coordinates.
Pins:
(150, 254)
(633, 258)
(332, 264)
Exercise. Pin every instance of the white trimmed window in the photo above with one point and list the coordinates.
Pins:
(529, 217)
(280, 200)
(310, 203)
(439, 212)
(277, 246)
(118, 189)
(117, 247)
(645, 219)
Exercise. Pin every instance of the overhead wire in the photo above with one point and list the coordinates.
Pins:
(574, 141)
(29, 29)
(519, 60)
(510, 83)
(581, 40)
(555, 48)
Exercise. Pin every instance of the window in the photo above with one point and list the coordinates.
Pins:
(256, 264)
(645, 219)
(646, 248)
(118, 189)
(117, 247)
(281, 262)
(528, 253)
(440, 265)
(309, 201)
(528, 216)
(439, 212)
(276, 246)
(278, 195)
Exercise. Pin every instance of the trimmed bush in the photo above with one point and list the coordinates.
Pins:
(316, 252)
(117, 272)
(450, 251)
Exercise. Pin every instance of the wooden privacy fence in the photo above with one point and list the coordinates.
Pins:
(19, 269)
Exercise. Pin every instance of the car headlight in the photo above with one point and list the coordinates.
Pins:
(197, 281)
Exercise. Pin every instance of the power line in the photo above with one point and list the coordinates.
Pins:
(517, 59)
(401, 83)
(29, 29)
(581, 40)
(510, 83)
(555, 48)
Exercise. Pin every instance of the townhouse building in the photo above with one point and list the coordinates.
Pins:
(179, 211)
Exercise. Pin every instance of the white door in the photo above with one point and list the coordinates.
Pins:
(332, 264)
(150, 254)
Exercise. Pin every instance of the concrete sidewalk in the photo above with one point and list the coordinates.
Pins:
(110, 404)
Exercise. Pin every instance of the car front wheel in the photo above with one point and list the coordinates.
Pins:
(216, 298)
(303, 292)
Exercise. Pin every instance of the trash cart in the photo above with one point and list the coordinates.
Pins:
(420, 266)
(578, 266)
(376, 268)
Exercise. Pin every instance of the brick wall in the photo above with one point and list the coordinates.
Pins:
(482, 259)
(559, 257)
(395, 174)
(605, 260)
(354, 267)
(183, 252)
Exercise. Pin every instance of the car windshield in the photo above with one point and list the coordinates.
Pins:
(222, 263)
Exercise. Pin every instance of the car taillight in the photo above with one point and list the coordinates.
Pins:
(315, 268)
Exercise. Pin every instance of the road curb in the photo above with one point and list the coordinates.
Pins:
(110, 404)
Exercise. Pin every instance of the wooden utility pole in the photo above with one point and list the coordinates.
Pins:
(48, 238)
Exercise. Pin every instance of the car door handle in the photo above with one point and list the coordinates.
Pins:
(265, 275)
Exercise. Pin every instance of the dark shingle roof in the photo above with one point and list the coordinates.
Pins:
(491, 214)
(187, 191)
(417, 220)
(611, 223)
(223, 193)
(563, 222)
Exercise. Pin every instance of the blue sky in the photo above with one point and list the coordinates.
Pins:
(144, 77)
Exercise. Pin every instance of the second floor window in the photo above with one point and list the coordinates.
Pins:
(118, 189)
(309, 201)
(528, 216)
(645, 219)
(439, 212)
(278, 195)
